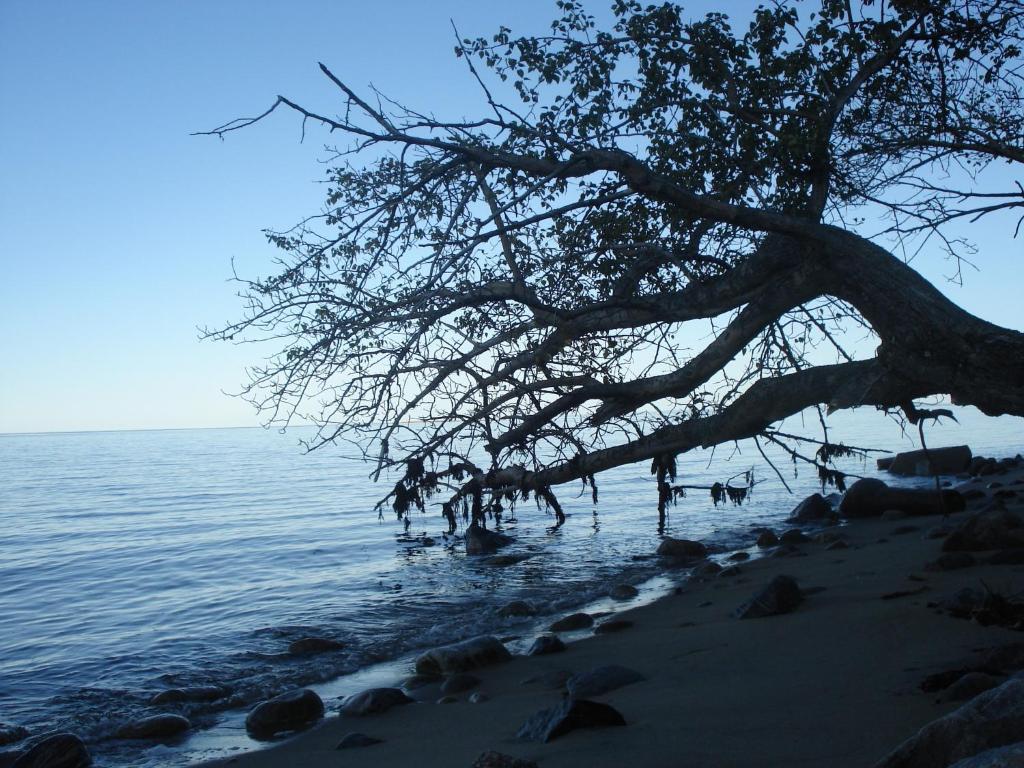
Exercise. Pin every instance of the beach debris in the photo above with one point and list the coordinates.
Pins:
(469, 654)
(499, 760)
(870, 497)
(570, 715)
(517, 608)
(164, 726)
(994, 718)
(601, 680)
(572, 622)
(373, 701)
(812, 509)
(682, 549)
(192, 693)
(1011, 756)
(782, 595)
(11, 733)
(480, 541)
(60, 750)
(307, 646)
(934, 461)
(457, 683)
(623, 592)
(357, 740)
(612, 625)
(546, 644)
(290, 711)
(794, 536)
(994, 527)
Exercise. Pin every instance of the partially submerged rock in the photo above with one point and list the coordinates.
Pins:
(517, 608)
(461, 657)
(572, 622)
(61, 750)
(480, 541)
(571, 714)
(193, 693)
(307, 646)
(546, 644)
(782, 595)
(767, 538)
(373, 701)
(156, 727)
(290, 711)
(992, 719)
(601, 680)
(812, 509)
(682, 549)
(623, 592)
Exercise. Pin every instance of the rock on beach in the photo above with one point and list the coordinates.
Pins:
(461, 657)
(290, 711)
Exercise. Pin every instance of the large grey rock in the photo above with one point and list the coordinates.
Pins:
(373, 701)
(480, 541)
(571, 714)
(782, 595)
(461, 657)
(813, 508)
(682, 549)
(290, 711)
(60, 750)
(934, 461)
(601, 680)
(1000, 757)
(155, 727)
(992, 719)
(870, 497)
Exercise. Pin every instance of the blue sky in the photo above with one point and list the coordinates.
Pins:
(117, 228)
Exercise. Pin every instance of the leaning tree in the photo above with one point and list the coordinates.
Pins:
(521, 286)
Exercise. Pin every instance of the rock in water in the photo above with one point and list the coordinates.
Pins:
(307, 646)
(782, 595)
(356, 740)
(934, 461)
(374, 701)
(517, 608)
(992, 719)
(568, 716)
(462, 657)
(499, 760)
(61, 750)
(546, 644)
(290, 711)
(195, 693)
(1000, 757)
(682, 549)
(601, 680)
(155, 727)
(813, 508)
(767, 539)
(480, 541)
(571, 622)
(623, 592)
(11, 733)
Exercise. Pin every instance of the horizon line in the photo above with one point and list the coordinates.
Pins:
(145, 429)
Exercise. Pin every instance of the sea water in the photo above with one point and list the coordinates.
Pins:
(133, 562)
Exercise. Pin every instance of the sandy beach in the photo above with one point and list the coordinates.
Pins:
(835, 682)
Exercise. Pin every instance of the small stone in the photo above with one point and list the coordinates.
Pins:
(681, 548)
(572, 622)
(546, 644)
(623, 592)
(788, 550)
(781, 595)
(767, 539)
(155, 727)
(374, 701)
(413, 682)
(357, 740)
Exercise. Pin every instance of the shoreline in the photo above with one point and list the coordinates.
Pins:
(834, 682)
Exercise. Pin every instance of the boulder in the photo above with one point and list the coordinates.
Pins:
(572, 622)
(992, 528)
(811, 509)
(601, 680)
(60, 750)
(934, 461)
(373, 701)
(480, 541)
(307, 646)
(461, 657)
(682, 549)
(457, 683)
(870, 497)
(357, 740)
(623, 592)
(546, 644)
(1000, 757)
(517, 608)
(11, 733)
(994, 718)
(499, 760)
(156, 727)
(290, 711)
(767, 539)
(782, 595)
(571, 714)
(194, 693)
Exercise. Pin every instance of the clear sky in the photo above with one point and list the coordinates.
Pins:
(117, 228)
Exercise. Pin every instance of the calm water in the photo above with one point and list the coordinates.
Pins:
(131, 562)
